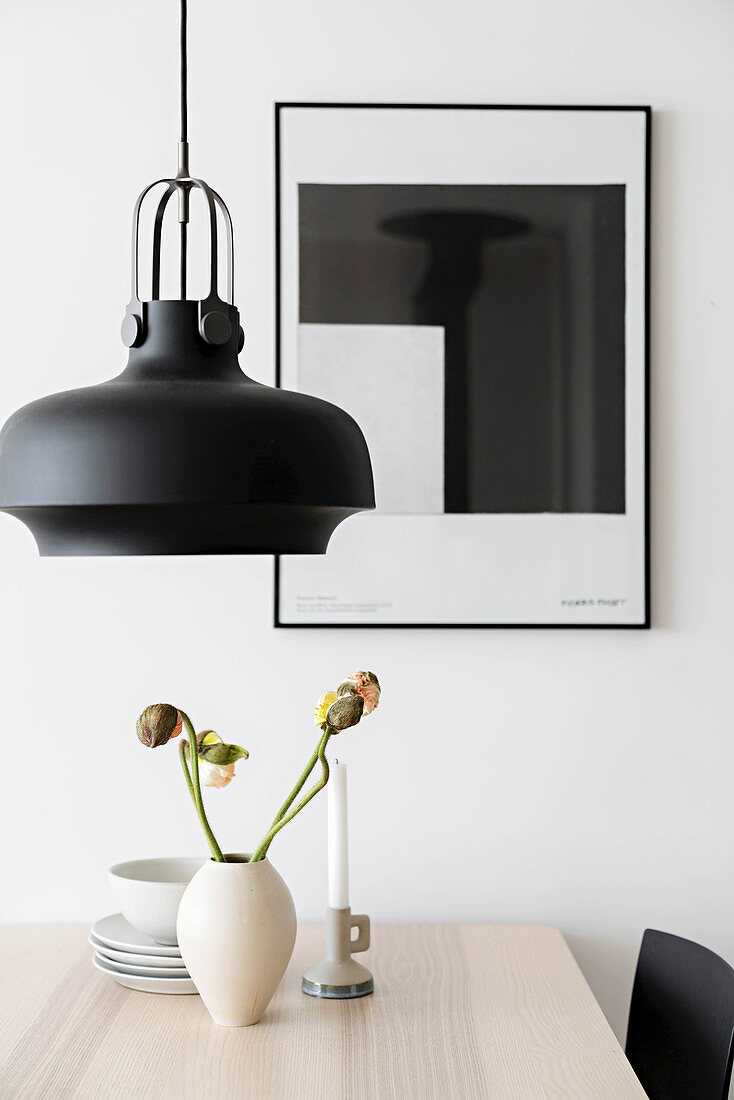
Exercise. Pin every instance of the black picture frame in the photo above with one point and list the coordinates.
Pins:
(646, 111)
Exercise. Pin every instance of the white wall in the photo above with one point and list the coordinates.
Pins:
(579, 779)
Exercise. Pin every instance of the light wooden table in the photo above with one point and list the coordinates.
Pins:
(492, 1012)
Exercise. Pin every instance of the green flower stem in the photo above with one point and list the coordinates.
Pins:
(298, 787)
(195, 789)
(187, 773)
(262, 849)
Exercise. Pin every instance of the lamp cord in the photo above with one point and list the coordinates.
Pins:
(184, 144)
(184, 75)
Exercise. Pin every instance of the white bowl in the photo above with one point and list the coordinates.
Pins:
(149, 891)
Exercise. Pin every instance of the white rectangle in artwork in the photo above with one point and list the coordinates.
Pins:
(390, 378)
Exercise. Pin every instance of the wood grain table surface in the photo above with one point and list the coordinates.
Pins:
(492, 1012)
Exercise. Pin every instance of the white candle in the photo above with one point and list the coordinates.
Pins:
(336, 790)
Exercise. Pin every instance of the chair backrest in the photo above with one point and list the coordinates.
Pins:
(681, 1023)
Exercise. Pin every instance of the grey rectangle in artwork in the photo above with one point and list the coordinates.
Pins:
(528, 283)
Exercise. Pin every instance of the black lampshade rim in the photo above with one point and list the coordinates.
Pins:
(172, 504)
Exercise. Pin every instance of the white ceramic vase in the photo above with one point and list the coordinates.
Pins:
(236, 930)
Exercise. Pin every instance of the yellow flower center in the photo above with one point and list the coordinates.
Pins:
(319, 711)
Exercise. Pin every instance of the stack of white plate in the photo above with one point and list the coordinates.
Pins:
(135, 960)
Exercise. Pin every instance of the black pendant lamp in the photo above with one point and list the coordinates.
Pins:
(182, 453)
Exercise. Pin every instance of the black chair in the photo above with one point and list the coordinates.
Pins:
(680, 1037)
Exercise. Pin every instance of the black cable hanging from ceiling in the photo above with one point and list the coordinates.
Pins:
(183, 229)
(182, 453)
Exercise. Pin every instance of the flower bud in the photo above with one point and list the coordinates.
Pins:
(158, 724)
(365, 684)
(345, 712)
(347, 687)
(217, 751)
(216, 759)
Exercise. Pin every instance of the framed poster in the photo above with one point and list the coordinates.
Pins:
(471, 284)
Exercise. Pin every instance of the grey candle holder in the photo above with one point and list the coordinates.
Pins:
(338, 975)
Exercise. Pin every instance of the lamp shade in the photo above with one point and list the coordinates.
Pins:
(182, 454)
